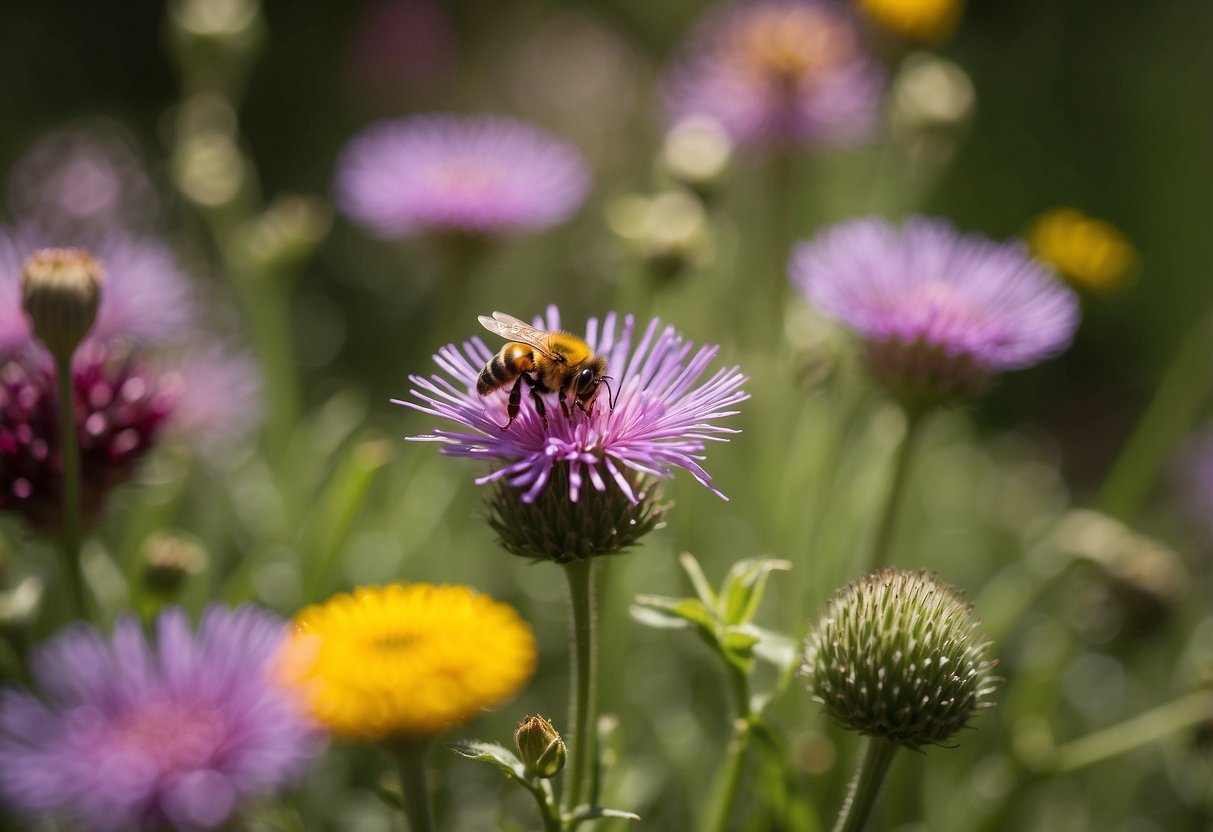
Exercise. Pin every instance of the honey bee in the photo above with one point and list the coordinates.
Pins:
(548, 362)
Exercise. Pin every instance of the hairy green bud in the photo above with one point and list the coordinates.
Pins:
(61, 291)
(555, 528)
(896, 656)
(540, 747)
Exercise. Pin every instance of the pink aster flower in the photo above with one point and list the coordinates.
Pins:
(664, 413)
(940, 312)
(479, 175)
(778, 72)
(137, 736)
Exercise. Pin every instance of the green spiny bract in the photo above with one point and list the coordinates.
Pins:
(555, 528)
(896, 656)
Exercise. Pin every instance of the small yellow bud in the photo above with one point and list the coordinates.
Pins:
(61, 290)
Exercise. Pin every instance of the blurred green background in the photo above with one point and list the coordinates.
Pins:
(1105, 106)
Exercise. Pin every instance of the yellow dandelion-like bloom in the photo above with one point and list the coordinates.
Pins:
(1090, 253)
(926, 21)
(406, 660)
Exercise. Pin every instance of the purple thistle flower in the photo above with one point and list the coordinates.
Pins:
(146, 299)
(480, 175)
(778, 72)
(939, 311)
(131, 735)
(662, 419)
(217, 396)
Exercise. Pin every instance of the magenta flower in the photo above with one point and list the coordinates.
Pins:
(175, 734)
(778, 72)
(940, 312)
(479, 175)
(664, 413)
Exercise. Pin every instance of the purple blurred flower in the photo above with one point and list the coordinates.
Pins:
(482, 175)
(138, 736)
(778, 72)
(939, 311)
(84, 177)
(663, 415)
(142, 370)
(146, 299)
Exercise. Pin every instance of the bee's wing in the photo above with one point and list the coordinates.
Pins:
(512, 329)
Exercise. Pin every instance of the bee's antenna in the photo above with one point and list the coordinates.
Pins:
(611, 397)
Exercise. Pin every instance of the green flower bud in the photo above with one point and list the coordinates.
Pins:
(895, 656)
(540, 747)
(168, 559)
(61, 290)
(555, 528)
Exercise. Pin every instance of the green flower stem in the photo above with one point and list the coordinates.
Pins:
(728, 781)
(267, 308)
(410, 755)
(70, 532)
(548, 810)
(865, 787)
(1132, 733)
(1174, 406)
(582, 715)
(882, 548)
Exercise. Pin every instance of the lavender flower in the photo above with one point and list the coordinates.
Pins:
(662, 417)
(778, 72)
(479, 175)
(940, 312)
(85, 177)
(138, 736)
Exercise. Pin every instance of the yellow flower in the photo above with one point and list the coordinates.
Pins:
(928, 21)
(1090, 253)
(406, 660)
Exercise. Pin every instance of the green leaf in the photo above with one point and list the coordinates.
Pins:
(741, 592)
(738, 641)
(778, 649)
(699, 581)
(687, 609)
(490, 752)
(391, 796)
(596, 812)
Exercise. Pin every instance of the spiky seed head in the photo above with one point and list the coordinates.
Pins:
(555, 528)
(61, 291)
(540, 747)
(896, 655)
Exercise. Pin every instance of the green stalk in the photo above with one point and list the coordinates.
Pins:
(70, 532)
(883, 544)
(410, 755)
(1132, 733)
(728, 781)
(582, 715)
(1166, 419)
(865, 787)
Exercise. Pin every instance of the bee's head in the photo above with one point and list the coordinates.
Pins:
(585, 383)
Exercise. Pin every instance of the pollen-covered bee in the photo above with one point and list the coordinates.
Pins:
(548, 362)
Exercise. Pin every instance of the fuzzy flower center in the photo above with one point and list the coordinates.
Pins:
(175, 737)
(467, 177)
(788, 45)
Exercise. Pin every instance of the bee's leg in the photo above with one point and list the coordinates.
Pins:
(536, 387)
(564, 405)
(515, 403)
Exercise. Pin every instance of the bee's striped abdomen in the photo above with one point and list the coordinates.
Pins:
(505, 366)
